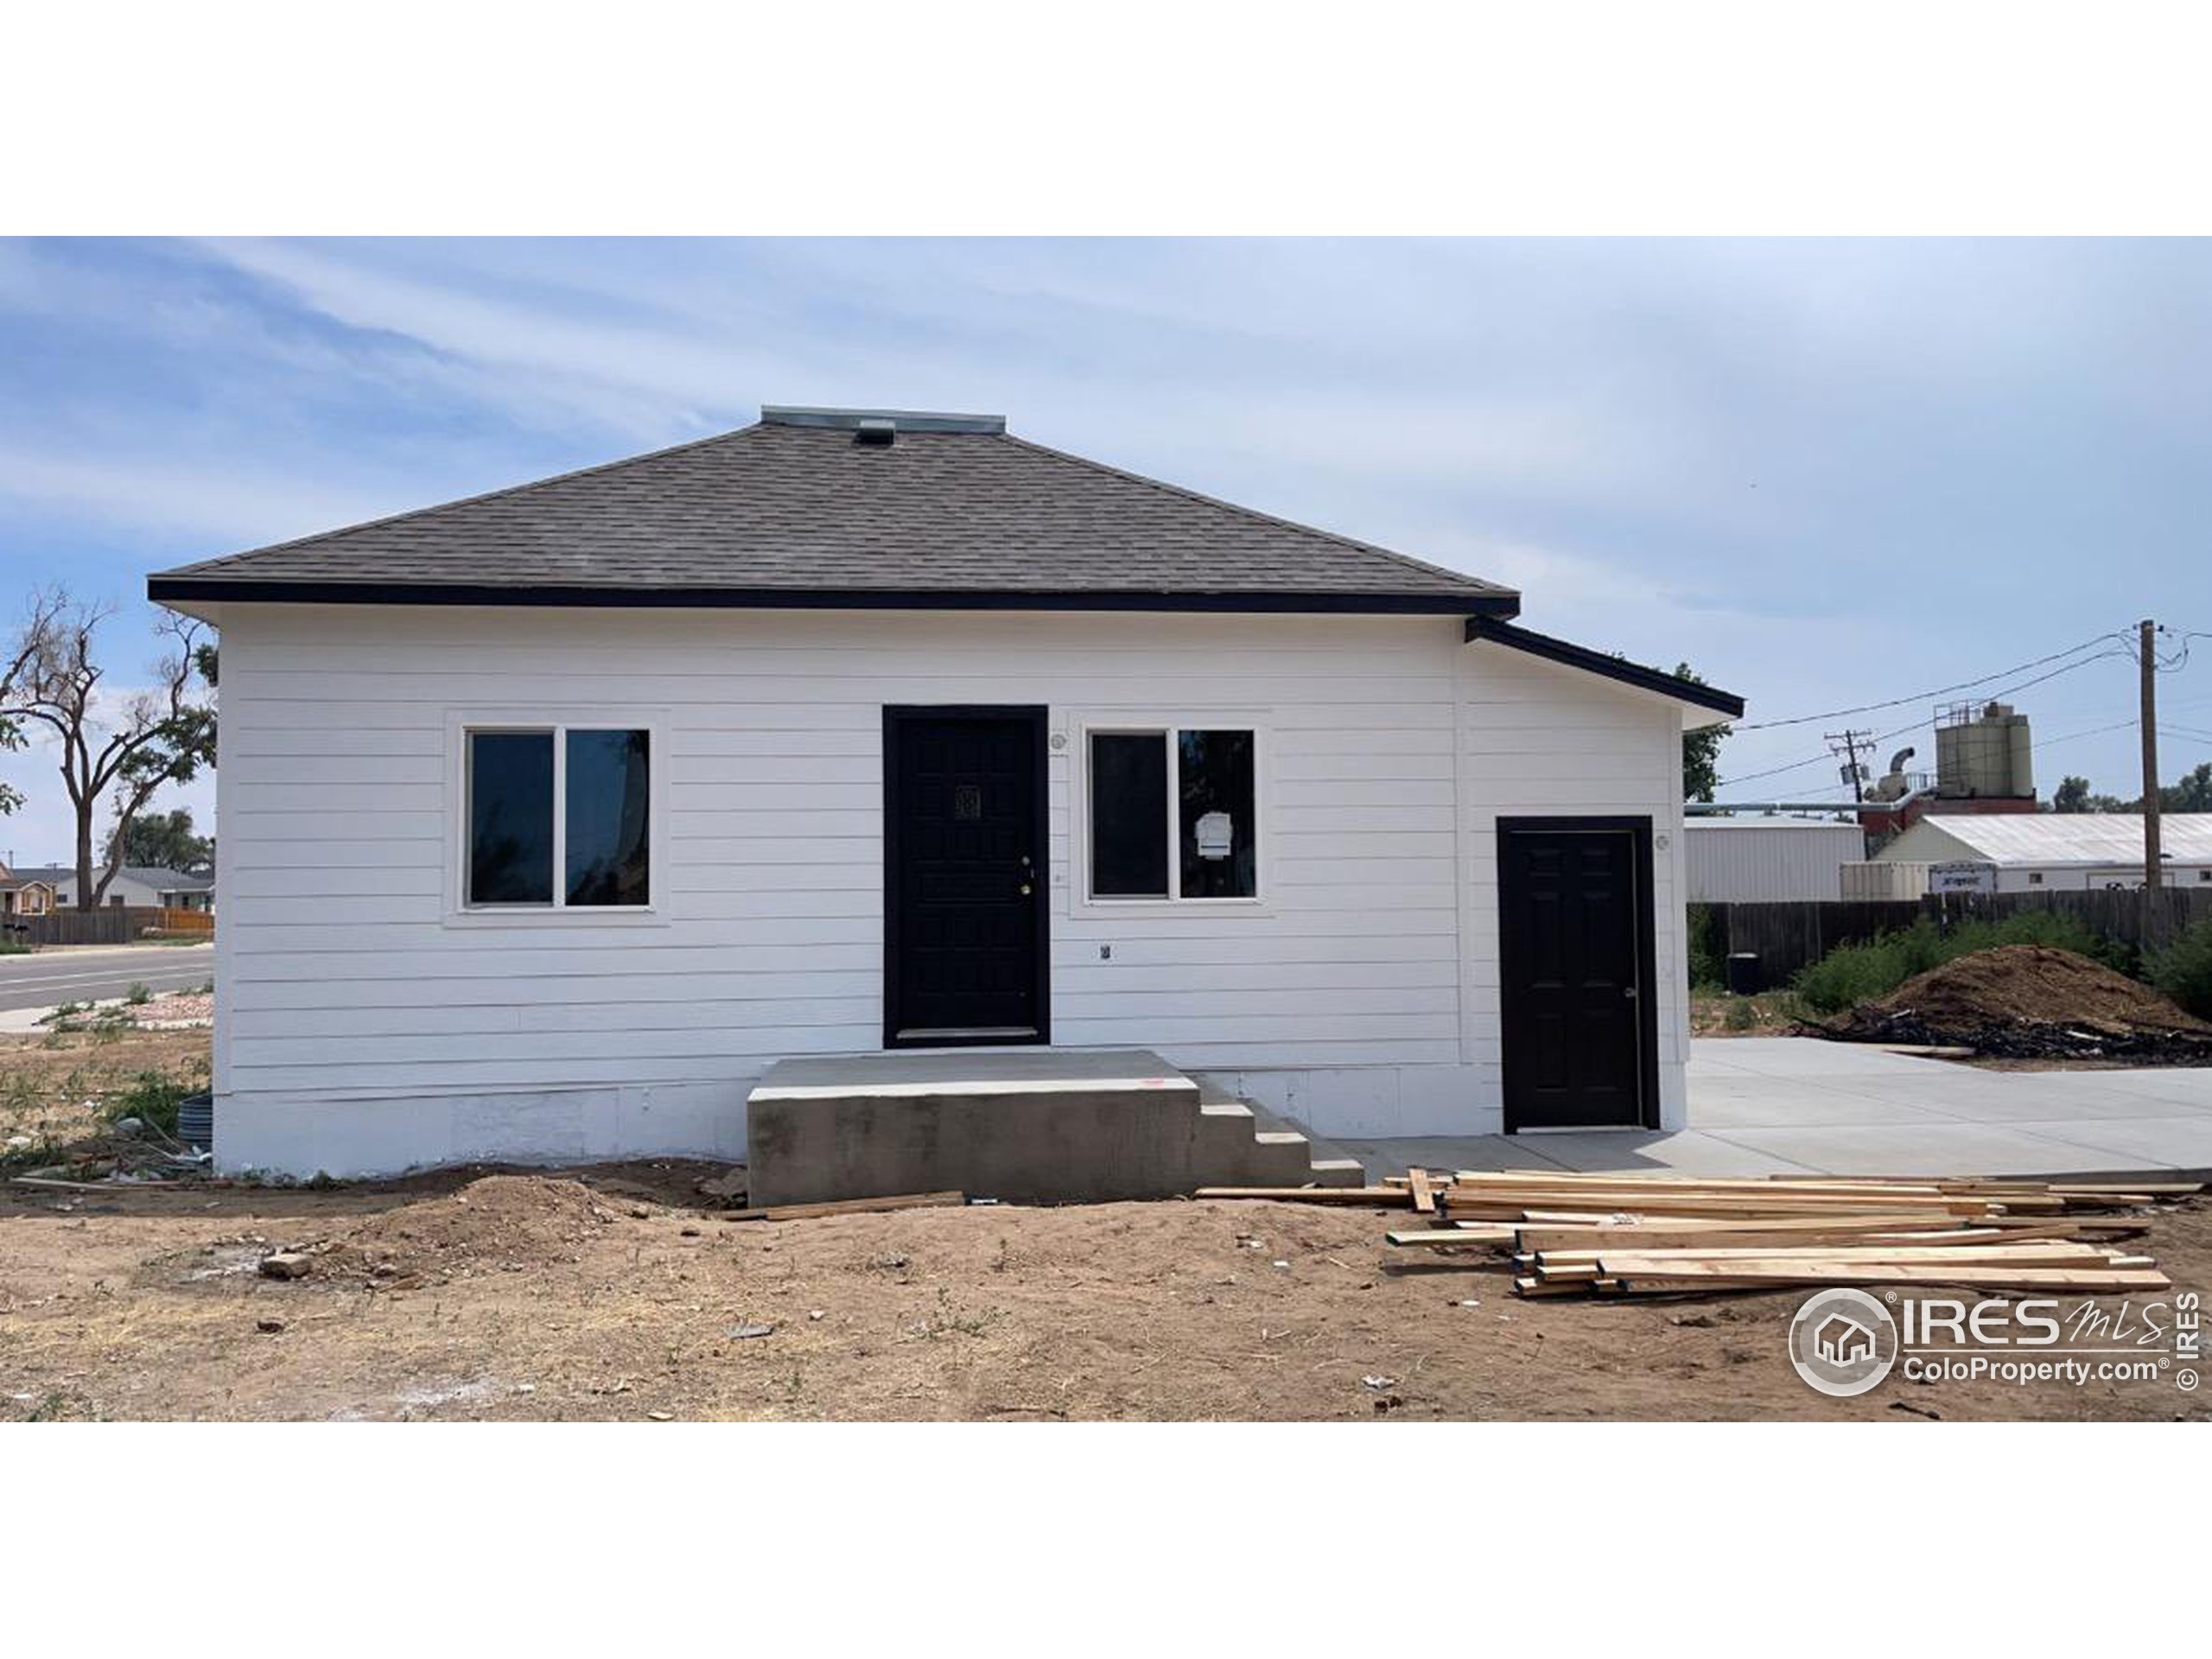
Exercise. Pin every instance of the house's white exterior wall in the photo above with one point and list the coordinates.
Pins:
(364, 1025)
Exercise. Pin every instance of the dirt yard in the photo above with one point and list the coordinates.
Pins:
(56, 1086)
(611, 1294)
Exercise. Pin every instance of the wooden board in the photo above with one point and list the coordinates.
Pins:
(847, 1207)
(1761, 1184)
(1652, 1274)
(1447, 1237)
(2058, 1253)
(1393, 1197)
(1424, 1199)
(1667, 1230)
(1514, 1206)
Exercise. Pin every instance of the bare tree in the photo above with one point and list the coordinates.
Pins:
(46, 605)
(161, 736)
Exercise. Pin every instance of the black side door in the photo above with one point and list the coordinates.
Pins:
(964, 851)
(1574, 946)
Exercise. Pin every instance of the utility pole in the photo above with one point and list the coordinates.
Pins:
(1847, 743)
(2147, 651)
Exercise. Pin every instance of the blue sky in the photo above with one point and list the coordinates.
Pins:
(1826, 472)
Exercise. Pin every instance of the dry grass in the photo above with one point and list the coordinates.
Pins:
(1771, 1013)
(55, 1087)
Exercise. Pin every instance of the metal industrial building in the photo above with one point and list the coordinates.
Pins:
(2035, 852)
(1768, 860)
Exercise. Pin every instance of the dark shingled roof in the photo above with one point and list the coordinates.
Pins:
(800, 510)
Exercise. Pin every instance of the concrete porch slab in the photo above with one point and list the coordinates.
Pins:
(1801, 1105)
(1599, 1152)
(1934, 1149)
(992, 1070)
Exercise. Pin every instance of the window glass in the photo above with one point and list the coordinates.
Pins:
(607, 806)
(1129, 814)
(511, 818)
(1219, 834)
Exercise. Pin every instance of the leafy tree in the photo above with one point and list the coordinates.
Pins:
(2072, 795)
(1700, 749)
(164, 840)
(110, 752)
(2192, 792)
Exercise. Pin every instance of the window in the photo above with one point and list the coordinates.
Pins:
(2035, 878)
(597, 842)
(1175, 814)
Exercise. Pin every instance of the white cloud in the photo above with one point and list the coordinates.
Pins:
(233, 505)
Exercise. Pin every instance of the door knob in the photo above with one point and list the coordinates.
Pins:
(1025, 889)
(1628, 991)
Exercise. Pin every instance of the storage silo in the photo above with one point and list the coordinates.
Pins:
(1983, 754)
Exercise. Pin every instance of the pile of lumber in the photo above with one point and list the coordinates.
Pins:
(1630, 1235)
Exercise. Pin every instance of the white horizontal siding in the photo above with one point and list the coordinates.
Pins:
(345, 974)
(1538, 739)
(1391, 748)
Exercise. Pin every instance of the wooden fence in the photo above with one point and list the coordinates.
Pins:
(109, 925)
(1787, 937)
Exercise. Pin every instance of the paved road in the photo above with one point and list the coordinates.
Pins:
(54, 976)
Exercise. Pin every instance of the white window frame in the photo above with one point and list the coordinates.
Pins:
(558, 723)
(1165, 727)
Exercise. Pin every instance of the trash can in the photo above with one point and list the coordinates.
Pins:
(1744, 974)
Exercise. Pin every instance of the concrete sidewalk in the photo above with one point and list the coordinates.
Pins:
(1797, 1105)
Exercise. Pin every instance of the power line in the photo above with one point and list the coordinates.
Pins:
(1941, 690)
(1883, 737)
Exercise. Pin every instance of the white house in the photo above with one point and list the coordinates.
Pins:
(2036, 852)
(549, 818)
(134, 885)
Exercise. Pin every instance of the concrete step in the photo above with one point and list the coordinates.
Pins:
(1339, 1171)
(1328, 1163)
(1263, 1150)
(1024, 1125)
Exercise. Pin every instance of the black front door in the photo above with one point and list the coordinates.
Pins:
(964, 846)
(1574, 932)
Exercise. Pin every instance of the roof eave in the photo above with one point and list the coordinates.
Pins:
(178, 588)
(1499, 630)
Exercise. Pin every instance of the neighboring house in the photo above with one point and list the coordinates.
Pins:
(549, 819)
(23, 894)
(2035, 852)
(144, 884)
(1769, 861)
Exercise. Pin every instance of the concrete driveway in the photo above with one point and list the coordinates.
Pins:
(88, 972)
(1797, 1105)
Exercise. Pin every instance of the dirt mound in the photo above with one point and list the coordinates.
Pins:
(493, 1221)
(2032, 1000)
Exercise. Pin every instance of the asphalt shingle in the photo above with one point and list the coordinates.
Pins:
(808, 511)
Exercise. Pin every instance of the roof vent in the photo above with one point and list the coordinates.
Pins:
(877, 431)
(893, 420)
